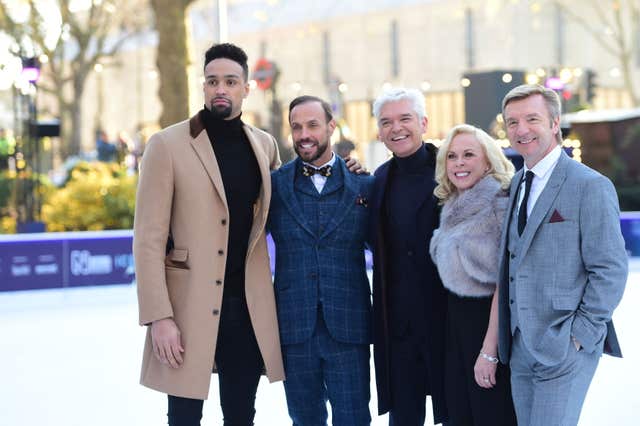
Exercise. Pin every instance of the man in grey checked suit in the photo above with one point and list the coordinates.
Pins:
(563, 266)
(318, 219)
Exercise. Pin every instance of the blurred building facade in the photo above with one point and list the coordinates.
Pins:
(347, 52)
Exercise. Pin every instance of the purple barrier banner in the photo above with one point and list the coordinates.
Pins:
(24, 264)
(65, 259)
(630, 225)
(71, 259)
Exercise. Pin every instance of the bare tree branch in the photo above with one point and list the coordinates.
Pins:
(87, 35)
(587, 26)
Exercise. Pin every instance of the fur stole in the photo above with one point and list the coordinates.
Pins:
(465, 247)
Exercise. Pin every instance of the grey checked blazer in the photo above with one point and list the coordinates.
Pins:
(573, 268)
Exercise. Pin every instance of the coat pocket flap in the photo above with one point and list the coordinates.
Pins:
(179, 255)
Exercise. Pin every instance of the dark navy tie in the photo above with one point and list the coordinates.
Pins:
(522, 213)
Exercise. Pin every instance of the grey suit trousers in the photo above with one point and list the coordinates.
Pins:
(550, 395)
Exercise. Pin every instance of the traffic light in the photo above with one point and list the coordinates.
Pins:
(590, 85)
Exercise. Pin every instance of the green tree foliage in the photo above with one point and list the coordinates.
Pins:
(15, 188)
(96, 196)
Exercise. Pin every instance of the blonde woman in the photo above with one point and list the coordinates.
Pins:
(472, 175)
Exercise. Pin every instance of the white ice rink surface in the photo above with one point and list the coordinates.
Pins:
(71, 358)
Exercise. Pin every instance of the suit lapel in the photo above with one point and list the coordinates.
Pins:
(285, 183)
(347, 200)
(545, 201)
(204, 151)
(516, 181)
(506, 224)
(304, 184)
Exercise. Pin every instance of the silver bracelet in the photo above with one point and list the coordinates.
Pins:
(491, 359)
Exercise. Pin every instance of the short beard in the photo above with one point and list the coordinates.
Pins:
(322, 148)
(220, 113)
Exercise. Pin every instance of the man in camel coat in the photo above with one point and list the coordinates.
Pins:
(202, 267)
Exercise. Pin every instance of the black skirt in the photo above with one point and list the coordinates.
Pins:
(468, 403)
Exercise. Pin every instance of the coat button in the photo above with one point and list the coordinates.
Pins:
(511, 301)
(511, 279)
(313, 275)
(220, 252)
(216, 312)
(513, 256)
(223, 221)
(218, 282)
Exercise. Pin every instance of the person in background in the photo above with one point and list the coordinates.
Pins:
(106, 150)
(7, 148)
(344, 148)
(472, 174)
(563, 266)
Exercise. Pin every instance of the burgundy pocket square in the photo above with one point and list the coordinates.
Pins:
(556, 217)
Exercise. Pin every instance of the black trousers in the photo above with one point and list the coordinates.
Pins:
(409, 380)
(468, 403)
(239, 365)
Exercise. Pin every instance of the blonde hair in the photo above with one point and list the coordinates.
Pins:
(500, 168)
(550, 97)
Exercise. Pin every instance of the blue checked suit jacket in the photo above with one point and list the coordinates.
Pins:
(320, 242)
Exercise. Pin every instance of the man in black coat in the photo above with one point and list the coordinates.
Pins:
(409, 301)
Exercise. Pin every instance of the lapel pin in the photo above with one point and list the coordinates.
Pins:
(361, 201)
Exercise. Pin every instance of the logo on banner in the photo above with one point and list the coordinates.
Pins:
(83, 263)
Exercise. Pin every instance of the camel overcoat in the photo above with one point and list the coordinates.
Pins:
(181, 194)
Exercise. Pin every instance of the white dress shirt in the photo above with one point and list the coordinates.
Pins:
(317, 179)
(541, 174)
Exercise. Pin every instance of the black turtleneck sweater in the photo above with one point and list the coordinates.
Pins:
(241, 180)
(406, 188)
(405, 194)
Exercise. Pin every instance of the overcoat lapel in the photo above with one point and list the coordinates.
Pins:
(380, 186)
(204, 151)
(261, 209)
(429, 185)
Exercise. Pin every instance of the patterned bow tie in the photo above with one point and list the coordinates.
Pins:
(310, 171)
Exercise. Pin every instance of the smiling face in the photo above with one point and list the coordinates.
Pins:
(224, 88)
(466, 161)
(400, 129)
(530, 129)
(311, 133)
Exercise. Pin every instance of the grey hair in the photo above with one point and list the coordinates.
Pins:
(550, 97)
(414, 96)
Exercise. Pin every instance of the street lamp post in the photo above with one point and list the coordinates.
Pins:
(31, 73)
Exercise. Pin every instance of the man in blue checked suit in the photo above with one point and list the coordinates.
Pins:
(318, 219)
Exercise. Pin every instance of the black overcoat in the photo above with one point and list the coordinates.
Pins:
(434, 293)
